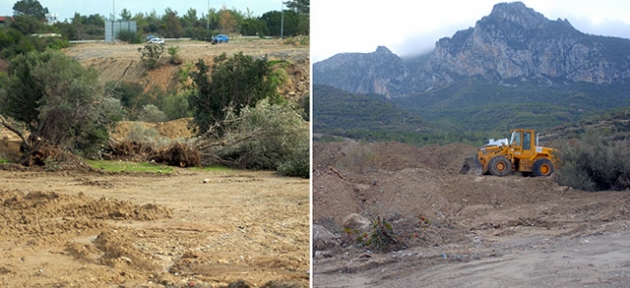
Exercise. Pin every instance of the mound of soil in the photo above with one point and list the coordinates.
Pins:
(389, 156)
(9, 146)
(437, 212)
(174, 129)
(196, 229)
(47, 218)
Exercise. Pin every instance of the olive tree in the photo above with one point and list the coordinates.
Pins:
(232, 83)
(262, 137)
(58, 100)
(243, 121)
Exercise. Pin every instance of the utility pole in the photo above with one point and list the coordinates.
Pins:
(113, 19)
(208, 18)
(282, 22)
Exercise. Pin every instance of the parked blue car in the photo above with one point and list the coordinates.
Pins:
(220, 38)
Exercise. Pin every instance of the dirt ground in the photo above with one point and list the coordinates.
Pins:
(186, 229)
(77, 229)
(478, 231)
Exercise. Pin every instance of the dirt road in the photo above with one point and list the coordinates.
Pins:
(481, 231)
(82, 229)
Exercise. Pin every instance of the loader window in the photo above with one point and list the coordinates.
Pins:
(527, 136)
(516, 139)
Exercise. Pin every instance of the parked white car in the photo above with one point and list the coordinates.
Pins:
(156, 40)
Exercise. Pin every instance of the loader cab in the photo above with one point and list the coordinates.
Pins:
(523, 149)
(521, 141)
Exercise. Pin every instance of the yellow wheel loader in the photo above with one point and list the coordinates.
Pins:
(520, 154)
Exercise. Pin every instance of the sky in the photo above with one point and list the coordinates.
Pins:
(66, 8)
(412, 27)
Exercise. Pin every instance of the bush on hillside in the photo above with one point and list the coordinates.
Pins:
(231, 83)
(264, 137)
(592, 163)
(151, 113)
(129, 37)
(151, 54)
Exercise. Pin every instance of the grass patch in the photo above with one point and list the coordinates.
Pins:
(211, 168)
(3, 161)
(122, 166)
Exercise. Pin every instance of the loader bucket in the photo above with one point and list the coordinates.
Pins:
(471, 163)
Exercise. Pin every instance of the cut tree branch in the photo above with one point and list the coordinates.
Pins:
(13, 129)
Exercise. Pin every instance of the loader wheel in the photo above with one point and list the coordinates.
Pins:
(500, 166)
(542, 167)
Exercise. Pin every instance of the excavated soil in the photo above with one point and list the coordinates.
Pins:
(189, 229)
(175, 129)
(461, 230)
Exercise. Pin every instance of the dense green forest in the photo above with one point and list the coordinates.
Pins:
(194, 24)
(471, 111)
(475, 104)
(374, 118)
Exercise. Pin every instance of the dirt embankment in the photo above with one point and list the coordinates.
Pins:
(121, 62)
(472, 222)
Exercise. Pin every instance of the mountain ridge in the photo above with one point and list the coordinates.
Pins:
(513, 43)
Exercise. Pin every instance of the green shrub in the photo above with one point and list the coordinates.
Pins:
(231, 83)
(175, 105)
(129, 37)
(112, 110)
(264, 137)
(175, 59)
(89, 140)
(298, 163)
(305, 104)
(141, 134)
(381, 237)
(592, 163)
(54, 96)
(57, 43)
(128, 92)
(151, 113)
(151, 54)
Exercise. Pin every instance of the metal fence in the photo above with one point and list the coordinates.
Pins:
(113, 27)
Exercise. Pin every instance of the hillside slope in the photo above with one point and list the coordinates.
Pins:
(121, 62)
(368, 117)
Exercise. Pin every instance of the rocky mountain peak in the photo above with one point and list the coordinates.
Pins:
(381, 72)
(513, 43)
(516, 13)
(383, 50)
